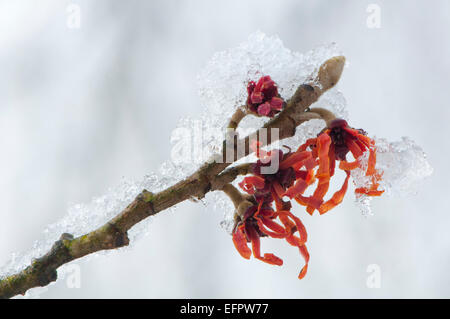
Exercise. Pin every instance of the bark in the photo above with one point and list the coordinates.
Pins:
(210, 177)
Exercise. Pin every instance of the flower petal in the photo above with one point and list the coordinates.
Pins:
(354, 148)
(264, 109)
(337, 197)
(278, 189)
(240, 242)
(297, 189)
(323, 147)
(277, 231)
(304, 252)
(276, 104)
(294, 158)
(256, 247)
(309, 142)
(256, 97)
(348, 166)
(252, 183)
(371, 163)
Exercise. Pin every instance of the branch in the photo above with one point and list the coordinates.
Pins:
(236, 118)
(210, 177)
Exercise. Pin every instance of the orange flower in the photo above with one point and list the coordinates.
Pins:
(269, 187)
(260, 221)
(314, 161)
(331, 145)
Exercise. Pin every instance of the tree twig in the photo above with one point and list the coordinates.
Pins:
(210, 177)
(236, 118)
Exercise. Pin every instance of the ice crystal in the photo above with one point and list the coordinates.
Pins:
(222, 88)
(83, 218)
(403, 165)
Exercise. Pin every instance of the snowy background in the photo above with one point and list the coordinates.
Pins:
(83, 109)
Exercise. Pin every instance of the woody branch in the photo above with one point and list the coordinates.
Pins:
(209, 177)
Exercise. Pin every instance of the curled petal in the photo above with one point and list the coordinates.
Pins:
(278, 201)
(348, 166)
(309, 142)
(298, 224)
(263, 219)
(361, 145)
(288, 224)
(309, 164)
(370, 144)
(240, 242)
(256, 97)
(278, 189)
(337, 197)
(297, 189)
(268, 213)
(292, 228)
(317, 198)
(278, 230)
(310, 177)
(310, 202)
(294, 158)
(351, 131)
(304, 252)
(271, 259)
(256, 247)
(354, 148)
(276, 103)
(250, 183)
(264, 109)
(372, 161)
(295, 241)
(365, 139)
(323, 172)
(323, 147)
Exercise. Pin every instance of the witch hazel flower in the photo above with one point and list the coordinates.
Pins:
(330, 146)
(261, 219)
(263, 209)
(263, 98)
(313, 164)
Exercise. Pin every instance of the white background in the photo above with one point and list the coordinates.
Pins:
(82, 108)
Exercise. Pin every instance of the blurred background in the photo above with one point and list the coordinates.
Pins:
(83, 105)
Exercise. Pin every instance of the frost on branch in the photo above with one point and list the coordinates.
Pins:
(83, 218)
(223, 85)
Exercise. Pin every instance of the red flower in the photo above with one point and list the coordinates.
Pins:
(269, 186)
(332, 144)
(266, 214)
(313, 161)
(259, 221)
(263, 98)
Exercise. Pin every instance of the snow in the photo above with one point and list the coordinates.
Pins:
(222, 88)
(404, 166)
